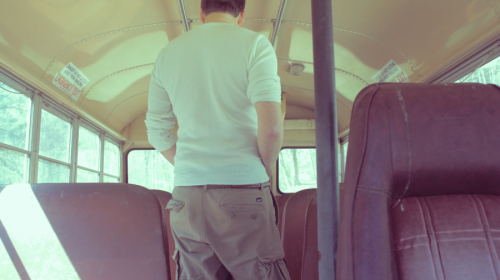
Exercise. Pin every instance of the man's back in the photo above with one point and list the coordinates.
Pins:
(213, 75)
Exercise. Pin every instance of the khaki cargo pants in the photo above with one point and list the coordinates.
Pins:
(223, 233)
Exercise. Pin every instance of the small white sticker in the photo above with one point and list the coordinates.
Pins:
(66, 86)
(72, 73)
(391, 73)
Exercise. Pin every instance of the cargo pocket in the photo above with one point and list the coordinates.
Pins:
(175, 205)
(272, 265)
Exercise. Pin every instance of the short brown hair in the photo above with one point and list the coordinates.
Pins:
(233, 7)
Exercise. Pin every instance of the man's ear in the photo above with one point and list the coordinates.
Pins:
(202, 15)
(241, 18)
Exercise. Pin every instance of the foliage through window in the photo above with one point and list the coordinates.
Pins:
(15, 113)
(55, 137)
(49, 172)
(15, 119)
(486, 74)
(297, 170)
(14, 167)
(150, 169)
(89, 149)
(111, 159)
(33, 122)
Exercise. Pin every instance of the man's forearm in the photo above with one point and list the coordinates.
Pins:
(269, 144)
(170, 154)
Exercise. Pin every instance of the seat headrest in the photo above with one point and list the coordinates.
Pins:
(421, 139)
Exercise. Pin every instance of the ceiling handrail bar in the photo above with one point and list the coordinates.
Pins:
(182, 11)
(277, 23)
(326, 137)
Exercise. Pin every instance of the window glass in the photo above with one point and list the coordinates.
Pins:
(89, 148)
(109, 179)
(486, 74)
(15, 110)
(49, 172)
(84, 176)
(297, 170)
(150, 169)
(55, 137)
(111, 158)
(344, 159)
(14, 167)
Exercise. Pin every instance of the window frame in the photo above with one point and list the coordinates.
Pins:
(469, 64)
(125, 169)
(342, 141)
(278, 165)
(120, 176)
(343, 154)
(41, 101)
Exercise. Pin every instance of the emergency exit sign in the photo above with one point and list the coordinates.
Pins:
(71, 81)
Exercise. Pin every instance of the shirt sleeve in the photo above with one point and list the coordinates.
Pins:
(263, 79)
(160, 118)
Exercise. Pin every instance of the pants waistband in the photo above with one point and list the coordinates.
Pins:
(251, 186)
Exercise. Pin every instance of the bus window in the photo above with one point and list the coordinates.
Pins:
(50, 172)
(55, 148)
(150, 169)
(342, 160)
(109, 179)
(15, 115)
(486, 74)
(89, 149)
(111, 159)
(34, 122)
(297, 169)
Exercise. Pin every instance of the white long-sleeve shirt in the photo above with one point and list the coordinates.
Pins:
(209, 80)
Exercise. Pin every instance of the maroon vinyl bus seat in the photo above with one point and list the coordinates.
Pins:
(422, 191)
(281, 200)
(164, 198)
(81, 232)
(297, 226)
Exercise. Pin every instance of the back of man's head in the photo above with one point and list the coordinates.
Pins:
(233, 7)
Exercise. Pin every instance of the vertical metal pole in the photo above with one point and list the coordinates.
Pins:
(326, 136)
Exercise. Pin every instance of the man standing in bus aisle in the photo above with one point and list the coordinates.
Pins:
(220, 82)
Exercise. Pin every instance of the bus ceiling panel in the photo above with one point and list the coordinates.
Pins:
(257, 9)
(300, 105)
(119, 114)
(105, 55)
(106, 111)
(294, 112)
(348, 83)
(420, 33)
(358, 55)
(39, 30)
(118, 85)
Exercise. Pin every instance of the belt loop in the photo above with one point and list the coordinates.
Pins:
(205, 187)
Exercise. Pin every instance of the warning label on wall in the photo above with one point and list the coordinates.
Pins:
(71, 81)
(391, 73)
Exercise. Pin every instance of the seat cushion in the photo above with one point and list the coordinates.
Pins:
(82, 231)
(447, 237)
